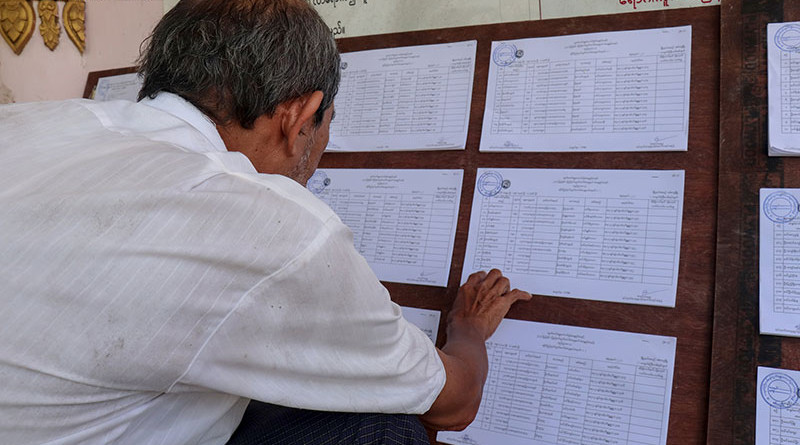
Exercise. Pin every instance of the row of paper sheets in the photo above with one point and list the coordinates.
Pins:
(777, 410)
(608, 235)
(778, 390)
(605, 234)
(612, 91)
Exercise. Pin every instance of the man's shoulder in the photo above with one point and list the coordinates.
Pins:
(78, 120)
(29, 112)
(60, 106)
(280, 194)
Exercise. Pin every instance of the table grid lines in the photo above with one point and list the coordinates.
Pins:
(409, 229)
(605, 239)
(558, 399)
(784, 426)
(786, 268)
(790, 92)
(592, 95)
(403, 101)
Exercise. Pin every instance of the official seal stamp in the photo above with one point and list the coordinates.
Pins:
(505, 54)
(318, 181)
(490, 183)
(781, 207)
(779, 390)
(788, 38)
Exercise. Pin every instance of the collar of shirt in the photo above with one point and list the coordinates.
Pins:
(185, 111)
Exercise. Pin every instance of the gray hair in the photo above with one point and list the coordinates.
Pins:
(240, 59)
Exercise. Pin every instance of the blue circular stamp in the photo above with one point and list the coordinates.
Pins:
(779, 391)
(490, 183)
(788, 38)
(318, 181)
(505, 54)
(781, 207)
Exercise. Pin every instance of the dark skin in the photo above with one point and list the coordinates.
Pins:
(479, 307)
(288, 143)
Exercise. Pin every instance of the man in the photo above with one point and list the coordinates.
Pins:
(162, 263)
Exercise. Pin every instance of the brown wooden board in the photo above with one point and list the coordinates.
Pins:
(691, 320)
(738, 349)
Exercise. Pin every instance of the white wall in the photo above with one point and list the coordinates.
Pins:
(360, 17)
(114, 30)
(351, 18)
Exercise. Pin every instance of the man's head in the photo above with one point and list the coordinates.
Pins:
(243, 62)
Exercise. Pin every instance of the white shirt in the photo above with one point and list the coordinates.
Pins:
(151, 282)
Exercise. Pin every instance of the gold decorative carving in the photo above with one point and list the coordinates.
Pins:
(17, 21)
(49, 28)
(74, 22)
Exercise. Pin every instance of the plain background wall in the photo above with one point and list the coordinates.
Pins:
(114, 30)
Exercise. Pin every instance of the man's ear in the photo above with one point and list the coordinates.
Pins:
(298, 116)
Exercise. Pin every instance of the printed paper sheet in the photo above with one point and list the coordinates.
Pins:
(609, 235)
(426, 320)
(779, 262)
(783, 57)
(121, 87)
(777, 410)
(403, 221)
(553, 384)
(410, 98)
(612, 91)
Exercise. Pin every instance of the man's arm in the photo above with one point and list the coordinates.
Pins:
(478, 309)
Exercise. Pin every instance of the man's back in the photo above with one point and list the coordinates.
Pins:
(127, 264)
(112, 281)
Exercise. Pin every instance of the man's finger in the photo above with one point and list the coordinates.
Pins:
(500, 287)
(490, 280)
(517, 295)
(476, 278)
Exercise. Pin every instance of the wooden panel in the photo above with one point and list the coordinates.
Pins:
(691, 320)
(738, 349)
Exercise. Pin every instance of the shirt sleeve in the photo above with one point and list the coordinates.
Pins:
(321, 333)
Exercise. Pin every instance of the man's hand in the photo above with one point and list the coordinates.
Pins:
(484, 300)
(478, 309)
